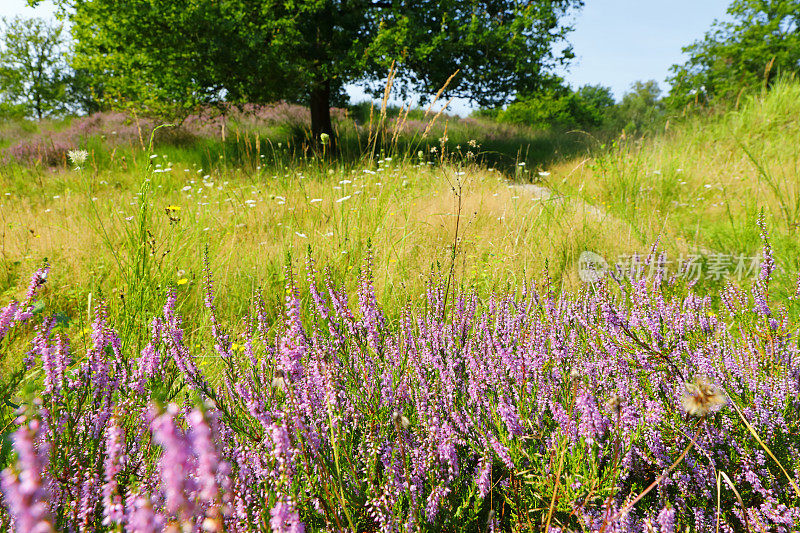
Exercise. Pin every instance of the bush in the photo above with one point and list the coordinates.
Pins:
(756, 46)
(517, 413)
(563, 108)
(640, 108)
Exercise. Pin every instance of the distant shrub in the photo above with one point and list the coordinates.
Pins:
(49, 145)
(11, 111)
(641, 107)
(49, 151)
(563, 108)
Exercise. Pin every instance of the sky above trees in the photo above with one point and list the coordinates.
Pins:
(616, 42)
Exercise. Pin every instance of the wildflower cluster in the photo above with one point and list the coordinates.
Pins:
(601, 411)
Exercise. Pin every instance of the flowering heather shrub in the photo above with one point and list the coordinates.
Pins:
(117, 128)
(515, 413)
(252, 116)
(468, 127)
(50, 148)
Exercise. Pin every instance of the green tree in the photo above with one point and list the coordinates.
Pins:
(598, 97)
(640, 107)
(561, 107)
(34, 73)
(761, 42)
(182, 53)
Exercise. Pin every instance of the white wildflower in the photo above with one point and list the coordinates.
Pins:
(77, 157)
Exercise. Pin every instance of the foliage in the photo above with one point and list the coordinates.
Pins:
(34, 73)
(587, 107)
(306, 51)
(590, 107)
(760, 43)
(640, 108)
(597, 97)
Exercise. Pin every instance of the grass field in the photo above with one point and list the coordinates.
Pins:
(701, 183)
(426, 213)
(251, 209)
(697, 187)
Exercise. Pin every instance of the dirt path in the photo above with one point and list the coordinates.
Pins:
(538, 192)
(541, 193)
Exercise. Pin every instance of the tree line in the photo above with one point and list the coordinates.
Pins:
(757, 45)
(171, 57)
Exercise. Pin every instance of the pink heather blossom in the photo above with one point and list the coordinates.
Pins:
(23, 485)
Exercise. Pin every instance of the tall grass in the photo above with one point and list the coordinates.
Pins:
(255, 197)
(701, 182)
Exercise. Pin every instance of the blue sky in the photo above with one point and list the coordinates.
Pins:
(616, 42)
(10, 8)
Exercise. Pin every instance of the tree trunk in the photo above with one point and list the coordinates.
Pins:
(321, 113)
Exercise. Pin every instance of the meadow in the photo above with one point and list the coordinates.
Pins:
(230, 329)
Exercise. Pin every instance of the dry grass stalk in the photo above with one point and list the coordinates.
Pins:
(433, 120)
(439, 93)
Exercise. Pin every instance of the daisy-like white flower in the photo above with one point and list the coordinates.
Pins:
(77, 157)
(702, 397)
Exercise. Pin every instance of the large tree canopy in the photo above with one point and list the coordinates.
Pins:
(182, 53)
(761, 41)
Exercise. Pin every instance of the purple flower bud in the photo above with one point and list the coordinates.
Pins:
(23, 485)
(141, 517)
(175, 465)
(284, 517)
(113, 504)
(666, 520)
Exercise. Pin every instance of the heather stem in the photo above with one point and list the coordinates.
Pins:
(655, 483)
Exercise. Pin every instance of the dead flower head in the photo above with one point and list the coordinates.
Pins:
(400, 421)
(702, 397)
(279, 381)
(614, 404)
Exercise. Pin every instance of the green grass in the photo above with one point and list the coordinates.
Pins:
(702, 182)
(254, 199)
